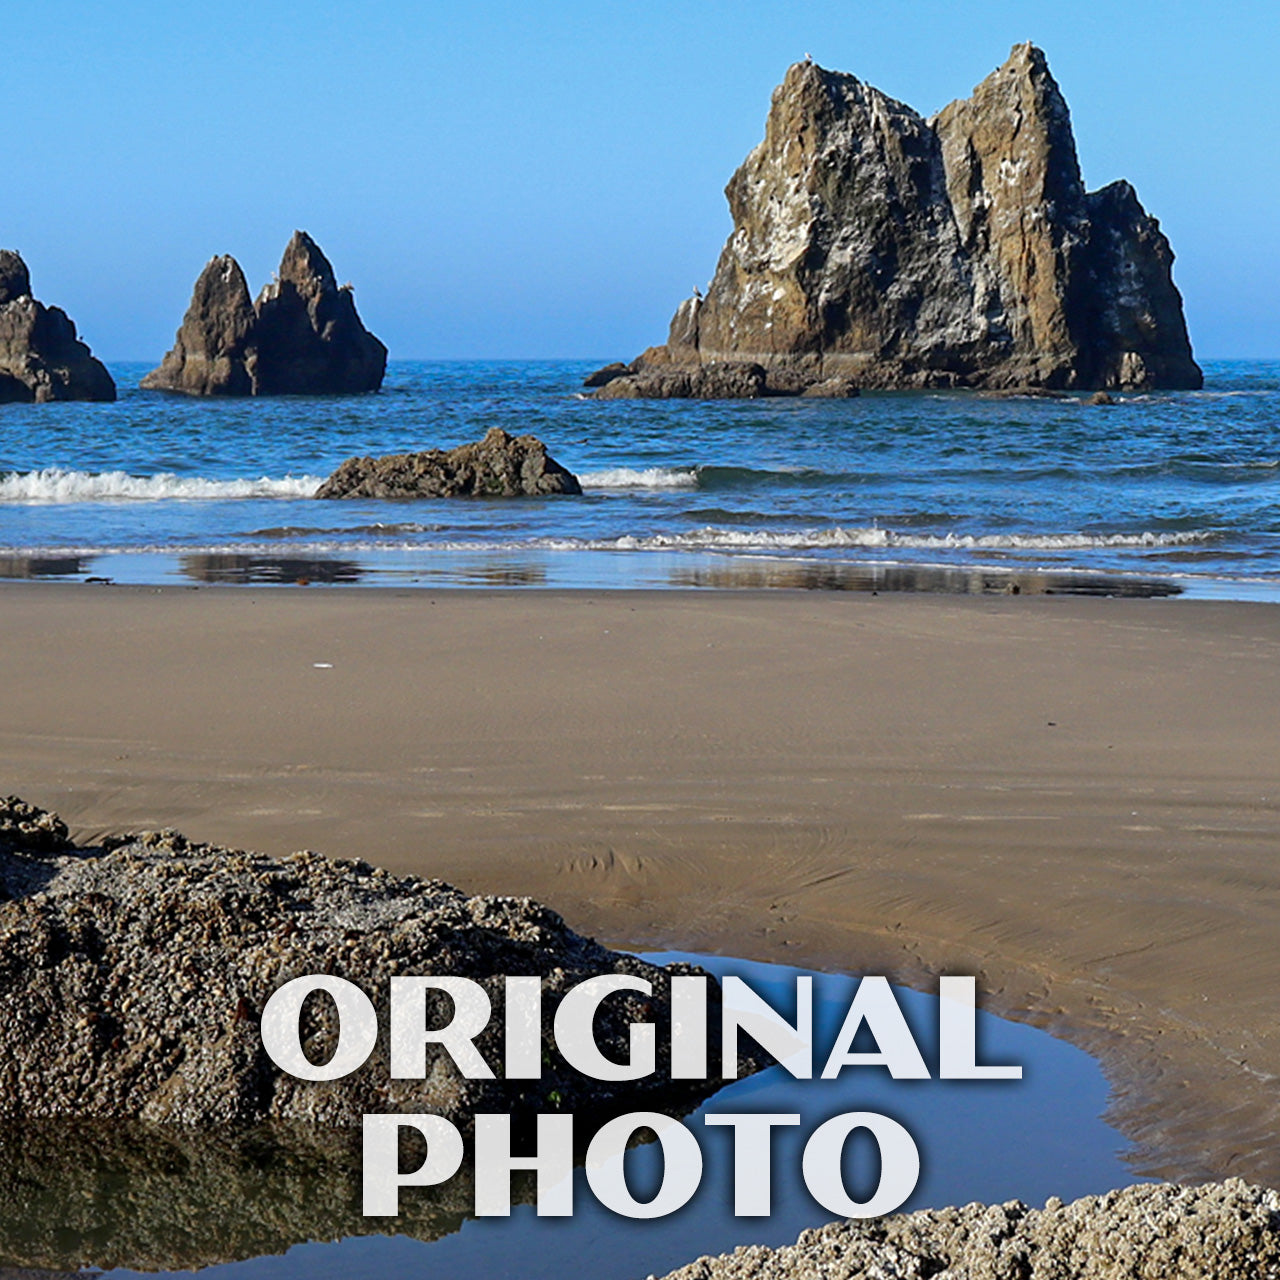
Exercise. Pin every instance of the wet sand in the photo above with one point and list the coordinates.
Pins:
(1076, 799)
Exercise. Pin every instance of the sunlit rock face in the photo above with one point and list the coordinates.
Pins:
(873, 244)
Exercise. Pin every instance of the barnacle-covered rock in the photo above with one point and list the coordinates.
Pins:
(1220, 1231)
(133, 976)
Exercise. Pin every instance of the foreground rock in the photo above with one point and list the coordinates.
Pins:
(499, 466)
(41, 358)
(1222, 1231)
(959, 251)
(133, 976)
(302, 336)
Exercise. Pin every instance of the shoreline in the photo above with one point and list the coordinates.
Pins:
(538, 569)
(1073, 798)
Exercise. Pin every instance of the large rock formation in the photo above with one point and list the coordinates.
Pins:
(301, 337)
(499, 466)
(959, 251)
(41, 358)
(213, 354)
(133, 976)
(1221, 1231)
(309, 336)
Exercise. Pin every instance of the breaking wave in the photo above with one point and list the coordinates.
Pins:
(875, 539)
(709, 476)
(56, 485)
(707, 539)
(644, 478)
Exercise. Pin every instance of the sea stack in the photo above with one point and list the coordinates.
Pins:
(41, 357)
(302, 336)
(874, 245)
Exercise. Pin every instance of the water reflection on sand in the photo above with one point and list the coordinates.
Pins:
(574, 570)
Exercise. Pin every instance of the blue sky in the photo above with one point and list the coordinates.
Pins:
(522, 180)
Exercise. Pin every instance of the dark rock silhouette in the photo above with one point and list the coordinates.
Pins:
(309, 336)
(499, 466)
(610, 371)
(959, 251)
(41, 357)
(715, 380)
(213, 354)
(302, 336)
(15, 279)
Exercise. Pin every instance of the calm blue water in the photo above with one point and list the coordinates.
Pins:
(1176, 491)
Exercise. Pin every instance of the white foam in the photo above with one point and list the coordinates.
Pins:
(706, 539)
(873, 538)
(56, 485)
(646, 478)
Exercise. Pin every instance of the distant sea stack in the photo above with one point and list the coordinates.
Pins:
(41, 358)
(874, 245)
(301, 337)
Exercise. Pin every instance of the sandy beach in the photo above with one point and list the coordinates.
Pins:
(1076, 799)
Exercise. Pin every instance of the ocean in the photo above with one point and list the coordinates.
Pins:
(1159, 494)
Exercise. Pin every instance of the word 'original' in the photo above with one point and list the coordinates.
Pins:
(873, 1020)
(789, 1042)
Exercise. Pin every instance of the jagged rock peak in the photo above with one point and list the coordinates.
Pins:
(41, 356)
(305, 265)
(309, 335)
(15, 279)
(303, 336)
(872, 244)
(212, 353)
